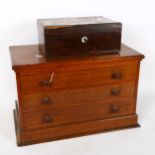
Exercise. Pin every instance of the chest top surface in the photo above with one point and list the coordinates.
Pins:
(74, 21)
(30, 55)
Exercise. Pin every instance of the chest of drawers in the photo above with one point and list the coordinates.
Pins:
(69, 97)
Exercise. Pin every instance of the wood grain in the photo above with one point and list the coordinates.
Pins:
(76, 113)
(78, 79)
(61, 98)
(25, 57)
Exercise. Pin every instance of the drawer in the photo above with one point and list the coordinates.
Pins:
(77, 113)
(66, 97)
(49, 81)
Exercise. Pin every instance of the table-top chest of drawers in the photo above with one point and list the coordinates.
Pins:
(69, 97)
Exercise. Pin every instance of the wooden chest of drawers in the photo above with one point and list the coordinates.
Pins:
(69, 97)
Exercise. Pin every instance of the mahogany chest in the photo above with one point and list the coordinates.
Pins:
(78, 36)
(76, 96)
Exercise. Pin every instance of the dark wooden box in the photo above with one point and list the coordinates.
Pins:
(78, 36)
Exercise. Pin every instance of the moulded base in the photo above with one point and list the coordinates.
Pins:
(28, 137)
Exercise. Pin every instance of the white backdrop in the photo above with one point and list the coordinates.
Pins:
(18, 26)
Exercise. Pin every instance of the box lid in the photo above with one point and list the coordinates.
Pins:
(97, 23)
(74, 21)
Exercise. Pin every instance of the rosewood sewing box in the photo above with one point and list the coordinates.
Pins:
(78, 36)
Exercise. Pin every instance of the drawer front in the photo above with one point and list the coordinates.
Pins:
(49, 81)
(76, 96)
(77, 113)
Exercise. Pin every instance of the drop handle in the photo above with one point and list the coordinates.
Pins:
(115, 91)
(48, 82)
(116, 75)
(47, 119)
(46, 100)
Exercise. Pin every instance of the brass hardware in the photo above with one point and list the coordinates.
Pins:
(48, 82)
(51, 78)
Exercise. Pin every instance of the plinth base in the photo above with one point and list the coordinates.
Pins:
(28, 137)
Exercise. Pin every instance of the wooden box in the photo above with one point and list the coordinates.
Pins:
(79, 36)
(73, 96)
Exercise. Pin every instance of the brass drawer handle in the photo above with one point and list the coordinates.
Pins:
(46, 100)
(84, 39)
(115, 91)
(48, 82)
(114, 109)
(47, 119)
(116, 75)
